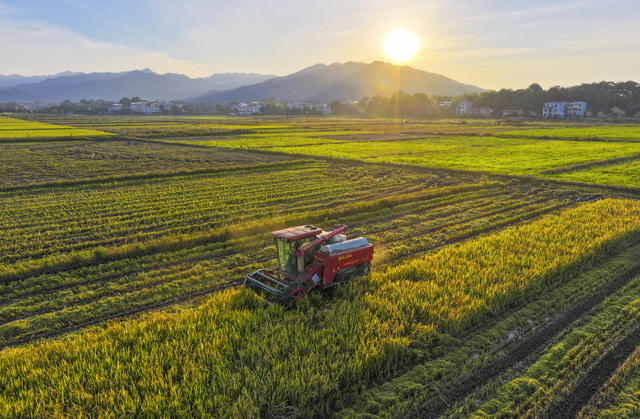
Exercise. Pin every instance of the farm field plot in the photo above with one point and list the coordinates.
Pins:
(615, 133)
(12, 129)
(621, 174)
(64, 224)
(36, 163)
(370, 336)
(149, 126)
(491, 154)
(460, 378)
(185, 235)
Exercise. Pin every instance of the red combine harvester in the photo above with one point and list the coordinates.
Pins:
(309, 257)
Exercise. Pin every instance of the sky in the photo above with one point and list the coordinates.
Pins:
(492, 43)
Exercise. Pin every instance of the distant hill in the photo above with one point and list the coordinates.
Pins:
(114, 86)
(12, 80)
(348, 81)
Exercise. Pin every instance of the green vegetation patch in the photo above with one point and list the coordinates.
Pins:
(11, 128)
(497, 155)
(610, 132)
(622, 174)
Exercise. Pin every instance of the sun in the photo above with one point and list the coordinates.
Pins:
(400, 45)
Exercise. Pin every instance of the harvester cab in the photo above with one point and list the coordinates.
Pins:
(309, 257)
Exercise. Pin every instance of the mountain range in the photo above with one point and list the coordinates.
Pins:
(114, 86)
(345, 82)
(319, 83)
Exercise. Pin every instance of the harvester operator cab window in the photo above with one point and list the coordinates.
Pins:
(287, 253)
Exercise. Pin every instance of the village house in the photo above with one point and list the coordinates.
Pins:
(576, 109)
(318, 107)
(564, 109)
(147, 108)
(246, 109)
(463, 107)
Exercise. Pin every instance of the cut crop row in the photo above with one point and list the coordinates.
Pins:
(541, 388)
(619, 397)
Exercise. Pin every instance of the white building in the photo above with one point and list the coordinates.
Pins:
(147, 108)
(318, 107)
(554, 109)
(116, 107)
(577, 109)
(562, 109)
(246, 109)
(463, 107)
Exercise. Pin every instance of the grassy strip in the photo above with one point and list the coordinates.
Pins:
(593, 133)
(234, 357)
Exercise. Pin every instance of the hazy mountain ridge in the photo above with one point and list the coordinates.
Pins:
(343, 81)
(113, 86)
(11, 80)
(318, 83)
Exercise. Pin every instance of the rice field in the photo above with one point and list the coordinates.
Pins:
(499, 286)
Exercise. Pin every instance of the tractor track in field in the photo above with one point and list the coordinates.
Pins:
(598, 375)
(121, 314)
(437, 406)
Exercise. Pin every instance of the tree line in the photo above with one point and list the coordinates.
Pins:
(600, 97)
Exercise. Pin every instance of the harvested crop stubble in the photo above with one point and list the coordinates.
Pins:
(235, 357)
(560, 367)
(620, 397)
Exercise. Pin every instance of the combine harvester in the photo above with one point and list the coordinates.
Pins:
(309, 257)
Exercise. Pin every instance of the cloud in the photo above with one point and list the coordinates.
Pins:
(41, 48)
